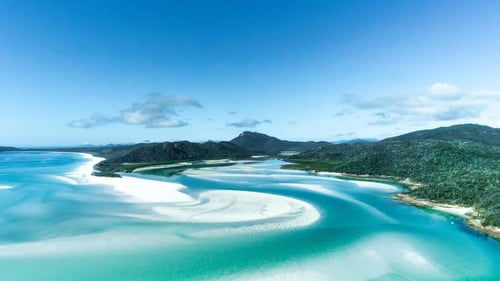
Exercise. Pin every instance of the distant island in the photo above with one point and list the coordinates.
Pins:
(7, 148)
(457, 165)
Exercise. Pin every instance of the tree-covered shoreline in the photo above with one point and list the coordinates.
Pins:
(451, 167)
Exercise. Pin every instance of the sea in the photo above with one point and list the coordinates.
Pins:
(248, 221)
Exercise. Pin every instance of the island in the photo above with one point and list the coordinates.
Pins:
(457, 166)
(453, 169)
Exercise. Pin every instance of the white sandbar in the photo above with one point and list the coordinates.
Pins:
(137, 189)
(143, 190)
(214, 206)
(454, 210)
(376, 185)
(226, 206)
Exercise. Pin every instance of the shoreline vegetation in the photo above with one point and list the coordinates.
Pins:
(457, 165)
(467, 213)
(453, 166)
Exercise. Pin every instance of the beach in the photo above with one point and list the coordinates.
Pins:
(171, 204)
(467, 213)
(248, 221)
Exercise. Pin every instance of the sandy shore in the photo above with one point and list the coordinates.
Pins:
(375, 185)
(467, 213)
(216, 206)
(333, 174)
(164, 166)
(135, 189)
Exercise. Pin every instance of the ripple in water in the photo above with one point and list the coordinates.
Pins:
(250, 221)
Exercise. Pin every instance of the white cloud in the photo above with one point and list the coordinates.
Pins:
(248, 123)
(156, 111)
(166, 123)
(442, 102)
(443, 89)
(93, 121)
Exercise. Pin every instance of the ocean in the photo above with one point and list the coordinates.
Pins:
(248, 221)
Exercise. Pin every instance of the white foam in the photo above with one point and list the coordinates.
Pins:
(3, 186)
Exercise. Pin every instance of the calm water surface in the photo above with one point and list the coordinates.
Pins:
(55, 227)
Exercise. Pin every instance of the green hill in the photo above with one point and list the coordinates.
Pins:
(458, 164)
(465, 132)
(258, 142)
(7, 148)
(170, 152)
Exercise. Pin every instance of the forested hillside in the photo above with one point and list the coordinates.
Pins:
(172, 152)
(257, 142)
(458, 164)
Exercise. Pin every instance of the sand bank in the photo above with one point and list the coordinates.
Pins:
(229, 206)
(375, 185)
(333, 174)
(135, 189)
(215, 206)
(144, 190)
(165, 166)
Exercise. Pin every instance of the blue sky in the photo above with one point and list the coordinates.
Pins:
(76, 72)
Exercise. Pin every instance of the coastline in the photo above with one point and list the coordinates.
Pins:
(157, 191)
(149, 190)
(468, 214)
(214, 206)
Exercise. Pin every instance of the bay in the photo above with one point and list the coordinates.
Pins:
(249, 221)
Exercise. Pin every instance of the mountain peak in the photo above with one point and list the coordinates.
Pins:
(259, 142)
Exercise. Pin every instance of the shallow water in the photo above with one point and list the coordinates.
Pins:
(249, 221)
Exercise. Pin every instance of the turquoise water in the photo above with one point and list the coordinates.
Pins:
(55, 228)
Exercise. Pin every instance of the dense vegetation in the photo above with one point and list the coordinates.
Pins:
(171, 152)
(458, 164)
(262, 143)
